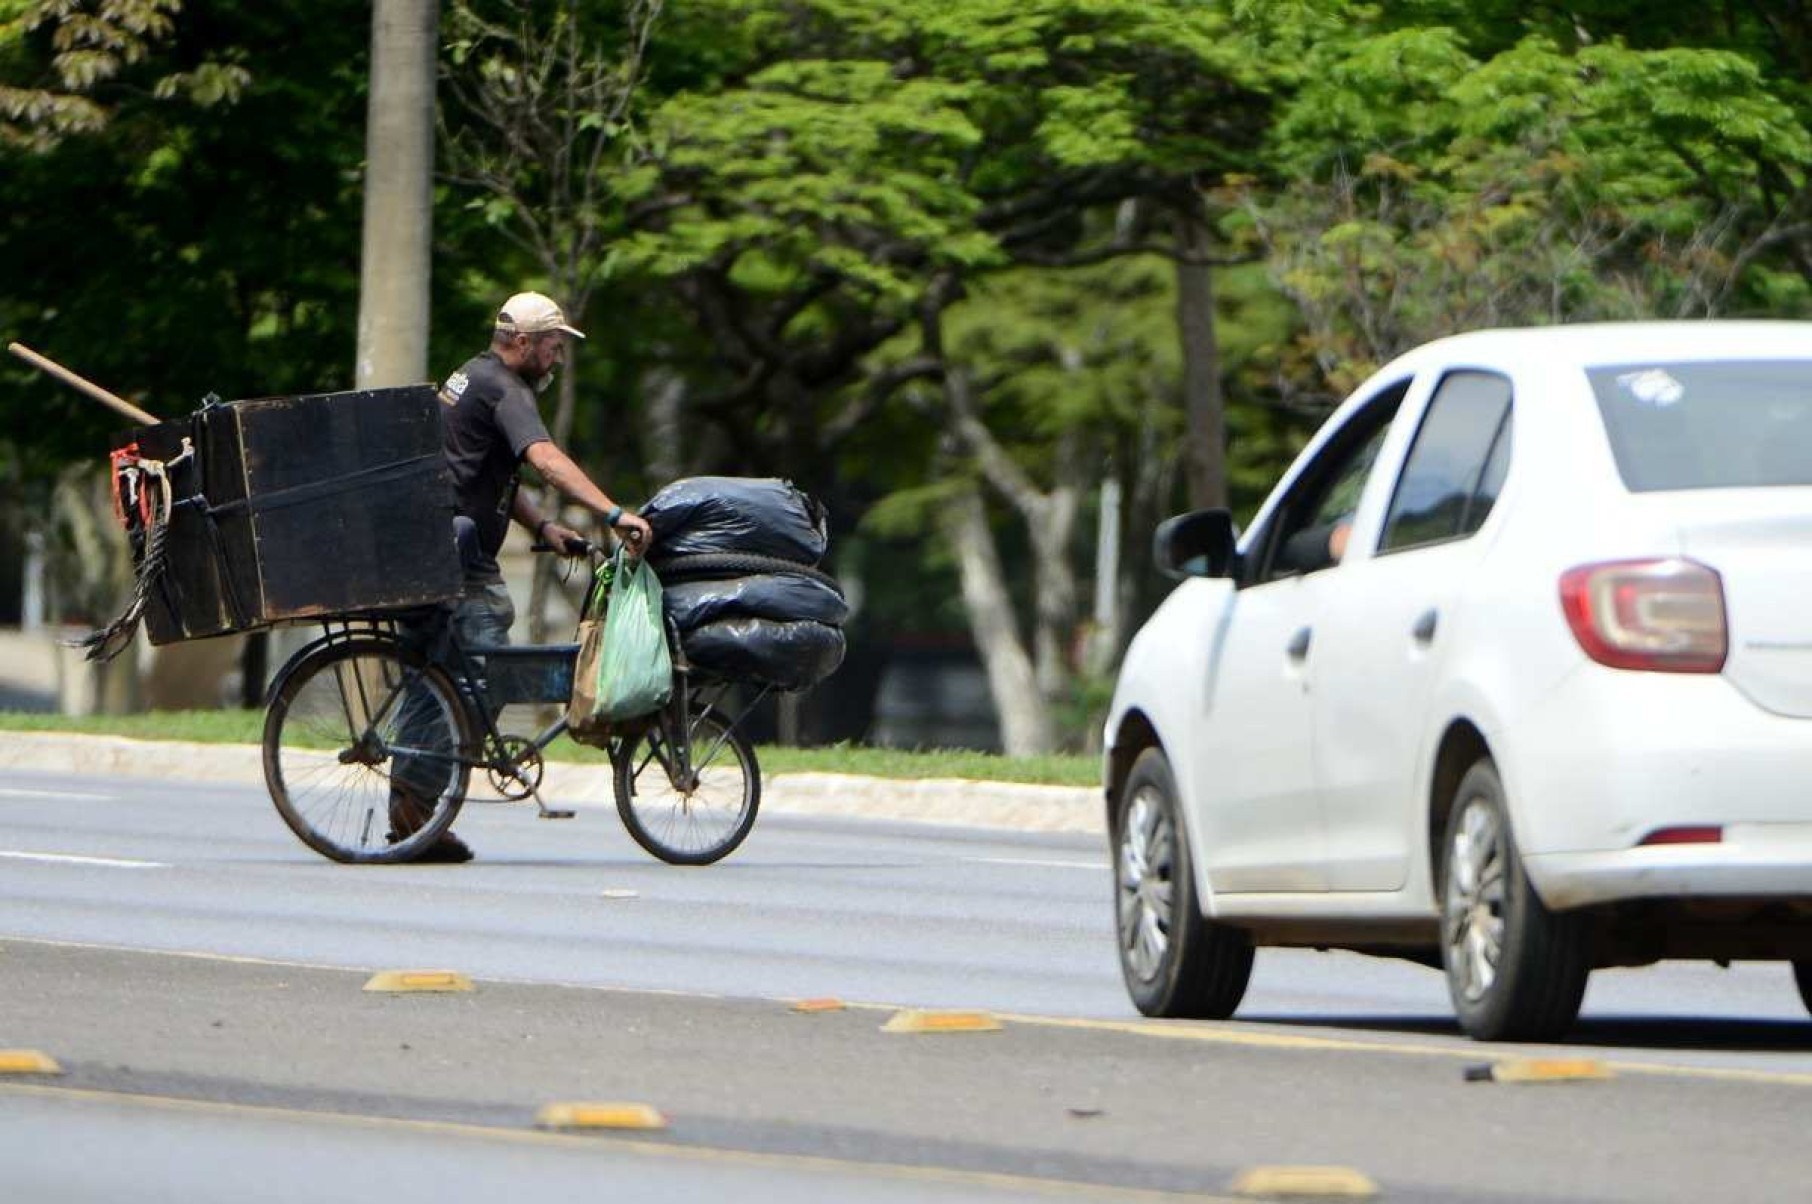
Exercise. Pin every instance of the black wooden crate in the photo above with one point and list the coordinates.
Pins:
(299, 507)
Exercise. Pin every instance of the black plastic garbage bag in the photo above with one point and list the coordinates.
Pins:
(762, 516)
(765, 596)
(789, 655)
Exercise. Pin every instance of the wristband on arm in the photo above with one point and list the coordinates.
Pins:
(541, 530)
(613, 516)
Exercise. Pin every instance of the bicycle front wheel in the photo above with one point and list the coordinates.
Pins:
(691, 818)
(367, 751)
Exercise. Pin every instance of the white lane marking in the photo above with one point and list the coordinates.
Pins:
(50, 794)
(72, 859)
(1050, 865)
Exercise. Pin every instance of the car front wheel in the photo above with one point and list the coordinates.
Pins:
(1516, 971)
(1175, 962)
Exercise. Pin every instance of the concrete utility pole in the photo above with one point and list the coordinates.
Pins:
(1204, 408)
(394, 258)
(399, 172)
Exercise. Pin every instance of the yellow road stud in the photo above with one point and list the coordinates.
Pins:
(1304, 1183)
(912, 1021)
(27, 1061)
(819, 1005)
(1539, 1070)
(599, 1116)
(418, 980)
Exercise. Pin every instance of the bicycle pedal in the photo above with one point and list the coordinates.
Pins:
(557, 813)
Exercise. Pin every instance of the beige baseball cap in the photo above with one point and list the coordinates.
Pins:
(533, 313)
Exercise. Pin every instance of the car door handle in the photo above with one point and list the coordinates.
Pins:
(1298, 647)
(1424, 630)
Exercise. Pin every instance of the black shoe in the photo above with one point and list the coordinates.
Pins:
(448, 850)
(408, 812)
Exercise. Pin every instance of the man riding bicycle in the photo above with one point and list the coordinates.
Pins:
(493, 427)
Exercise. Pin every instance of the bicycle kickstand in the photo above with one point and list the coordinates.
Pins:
(551, 813)
(547, 812)
(542, 810)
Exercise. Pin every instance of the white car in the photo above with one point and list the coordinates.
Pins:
(1548, 709)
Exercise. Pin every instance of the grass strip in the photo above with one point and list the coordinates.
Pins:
(247, 727)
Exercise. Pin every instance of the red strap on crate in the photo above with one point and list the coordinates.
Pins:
(125, 467)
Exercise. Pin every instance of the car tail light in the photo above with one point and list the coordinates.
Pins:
(1664, 615)
(1691, 834)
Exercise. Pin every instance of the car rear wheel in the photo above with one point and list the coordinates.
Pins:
(1175, 962)
(1516, 971)
(1802, 974)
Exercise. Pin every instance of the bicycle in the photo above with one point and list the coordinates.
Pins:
(389, 705)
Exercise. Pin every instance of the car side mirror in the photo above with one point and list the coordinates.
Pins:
(1198, 544)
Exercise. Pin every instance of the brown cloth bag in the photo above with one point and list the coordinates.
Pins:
(581, 724)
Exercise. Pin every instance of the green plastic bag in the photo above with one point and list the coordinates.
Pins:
(635, 668)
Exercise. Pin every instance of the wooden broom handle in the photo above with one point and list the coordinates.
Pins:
(113, 401)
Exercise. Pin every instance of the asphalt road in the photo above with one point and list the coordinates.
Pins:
(198, 974)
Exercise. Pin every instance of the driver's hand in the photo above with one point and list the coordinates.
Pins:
(564, 540)
(634, 530)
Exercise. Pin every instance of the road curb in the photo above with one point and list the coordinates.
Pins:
(1011, 805)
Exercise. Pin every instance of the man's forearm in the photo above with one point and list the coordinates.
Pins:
(558, 470)
(527, 513)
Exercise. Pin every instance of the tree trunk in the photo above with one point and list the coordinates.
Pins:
(1147, 480)
(1104, 619)
(394, 253)
(1051, 524)
(665, 433)
(399, 168)
(1205, 447)
(1025, 721)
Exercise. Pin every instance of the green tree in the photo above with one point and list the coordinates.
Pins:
(1434, 190)
(58, 59)
(539, 122)
(860, 169)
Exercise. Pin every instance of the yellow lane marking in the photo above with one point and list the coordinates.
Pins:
(1304, 1183)
(822, 1004)
(912, 1020)
(1232, 1032)
(418, 980)
(1185, 1030)
(283, 963)
(1539, 1070)
(593, 1115)
(27, 1061)
(650, 1148)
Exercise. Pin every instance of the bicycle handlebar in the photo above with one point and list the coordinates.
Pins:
(578, 545)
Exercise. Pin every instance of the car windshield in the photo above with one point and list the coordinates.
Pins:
(1728, 425)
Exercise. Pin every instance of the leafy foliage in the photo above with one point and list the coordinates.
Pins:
(91, 43)
(1438, 191)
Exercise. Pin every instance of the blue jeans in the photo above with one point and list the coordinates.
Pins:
(483, 615)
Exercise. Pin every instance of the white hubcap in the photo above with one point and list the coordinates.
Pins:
(1473, 910)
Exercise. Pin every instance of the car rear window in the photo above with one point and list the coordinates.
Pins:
(1730, 425)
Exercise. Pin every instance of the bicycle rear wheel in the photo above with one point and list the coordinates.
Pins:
(367, 751)
(696, 821)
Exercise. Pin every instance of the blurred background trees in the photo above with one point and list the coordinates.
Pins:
(1002, 283)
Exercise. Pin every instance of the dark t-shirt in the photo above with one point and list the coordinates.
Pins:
(490, 420)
